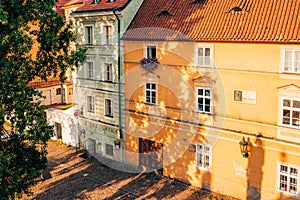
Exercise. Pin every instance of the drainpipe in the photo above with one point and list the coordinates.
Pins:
(119, 75)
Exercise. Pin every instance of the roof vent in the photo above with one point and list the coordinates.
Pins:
(200, 1)
(236, 9)
(164, 13)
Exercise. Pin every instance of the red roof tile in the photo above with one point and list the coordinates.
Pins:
(59, 4)
(89, 5)
(215, 20)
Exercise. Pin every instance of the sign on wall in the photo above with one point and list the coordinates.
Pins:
(245, 96)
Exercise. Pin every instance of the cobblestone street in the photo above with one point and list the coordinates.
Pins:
(70, 176)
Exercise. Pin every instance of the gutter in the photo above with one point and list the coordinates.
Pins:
(119, 75)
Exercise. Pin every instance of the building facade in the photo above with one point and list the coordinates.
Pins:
(99, 86)
(212, 94)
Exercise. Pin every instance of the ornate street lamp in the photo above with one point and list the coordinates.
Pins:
(244, 148)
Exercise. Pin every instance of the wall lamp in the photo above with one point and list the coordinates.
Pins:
(244, 148)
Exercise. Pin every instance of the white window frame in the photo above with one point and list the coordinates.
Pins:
(203, 154)
(88, 39)
(107, 36)
(90, 103)
(293, 61)
(204, 97)
(146, 51)
(151, 90)
(106, 108)
(291, 109)
(289, 176)
(211, 56)
(107, 73)
(89, 70)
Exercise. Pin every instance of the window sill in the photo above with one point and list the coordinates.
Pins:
(150, 104)
(109, 116)
(290, 75)
(205, 68)
(203, 168)
(291, 127)
(106, 81)
(204, 113)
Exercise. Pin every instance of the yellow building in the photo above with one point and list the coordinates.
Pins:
(216, 101)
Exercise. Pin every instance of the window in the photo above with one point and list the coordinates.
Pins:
(108, 72)
(109, 150)
(203, 156)
(204, 56)
(150, 93)
(89, 70)
(204, 100)
(58, 91)
(88, 34)
(288, 179)
(107, 35)
(108, 108)
(291, 61)
(151, 52)
(90, 104)
(291, 112)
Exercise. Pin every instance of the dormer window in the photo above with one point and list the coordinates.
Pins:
(96, 1)
(110, 1)
(200, 1)
(164, 13)
(236, 9)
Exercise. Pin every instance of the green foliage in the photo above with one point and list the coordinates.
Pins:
(25, 25)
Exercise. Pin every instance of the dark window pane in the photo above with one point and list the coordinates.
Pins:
(200, 92)
(207, 51)
(207, 102)
(207, 93)
(153, 86)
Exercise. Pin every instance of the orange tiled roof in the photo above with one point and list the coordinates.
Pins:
(103, 5)
(59, 4)
(217, 20)
(73, 2)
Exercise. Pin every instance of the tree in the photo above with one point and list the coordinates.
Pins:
(34, 42)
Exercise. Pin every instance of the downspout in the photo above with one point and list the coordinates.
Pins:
(119, 75)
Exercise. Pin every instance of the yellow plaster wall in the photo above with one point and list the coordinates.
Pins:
(254, 67)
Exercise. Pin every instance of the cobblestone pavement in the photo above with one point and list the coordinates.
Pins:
(70, 176)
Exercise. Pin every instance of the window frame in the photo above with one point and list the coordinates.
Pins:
(88, 37)
(151, 90)
(147, 53)
(293, 61)
(111, 107)
(107, 152)
(204, 153)
(58, 91)
(89, 72)
(108, 73)
(90, 103)
(288, 176)
(107, 34)
(291, 109)
(211, 56)
(204, 98)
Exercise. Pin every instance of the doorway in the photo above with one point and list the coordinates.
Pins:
(150, 155)
(58, 130)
